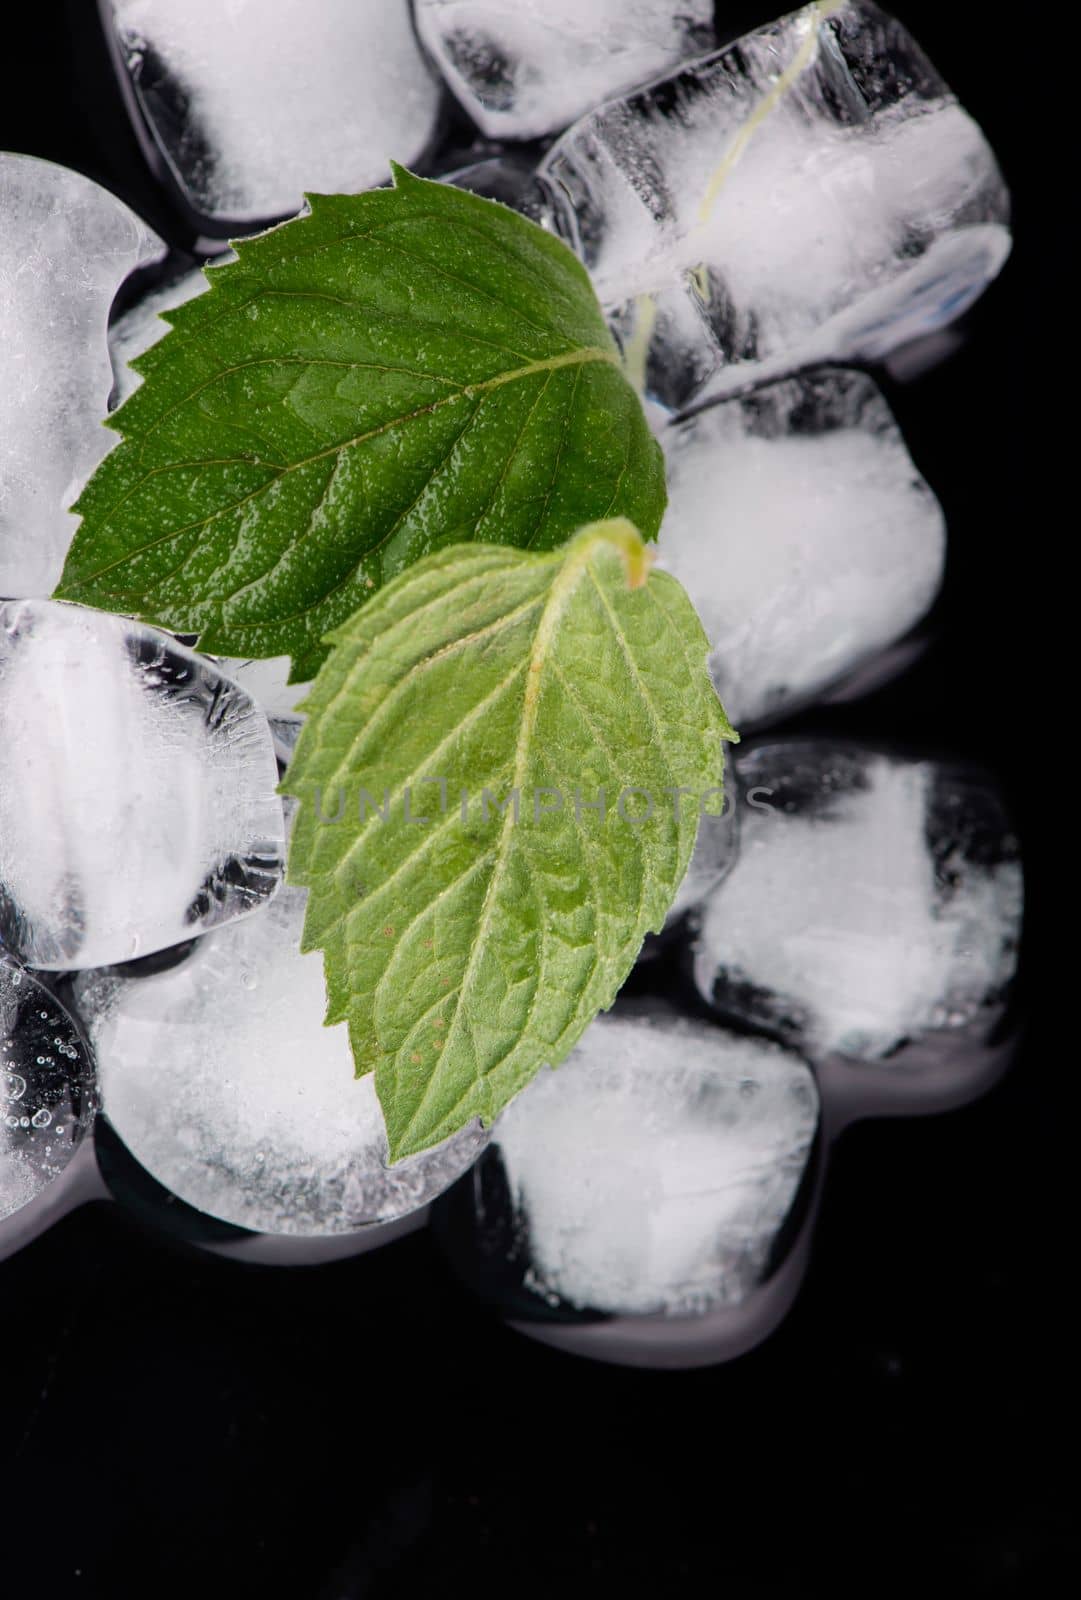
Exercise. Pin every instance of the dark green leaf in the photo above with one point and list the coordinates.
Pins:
(396, 372)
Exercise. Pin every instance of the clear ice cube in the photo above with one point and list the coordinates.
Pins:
(66, 246)
(813, 193)
(875, 902)
(524, 68)
(256, 102)
(137, 794)
(653, 1170)
(46, 1088)
(222, 1080)
(803, 534)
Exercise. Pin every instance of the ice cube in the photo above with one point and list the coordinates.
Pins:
(652, 1171)
(802, 532)
(813, 193)
(137, 795)
(257, 102)
(141, 326)
(222, 1080)
(46, 1088)
(875, 902)
(66, 246)
(523, 68)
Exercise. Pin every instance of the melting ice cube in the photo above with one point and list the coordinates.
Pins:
(523, 68)
(224, 1083)
(802, 532)
(256, 102)
(875, 901)
(66, 246)
(812, 193)
(652, 1171)
(137, 795)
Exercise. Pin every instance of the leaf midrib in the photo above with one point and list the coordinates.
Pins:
(574, 569)
(582, 356)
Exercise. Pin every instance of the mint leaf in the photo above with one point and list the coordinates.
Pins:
(469, 949)
(398, 371)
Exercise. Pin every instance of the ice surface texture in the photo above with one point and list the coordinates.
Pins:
(46, 1092)
(137, 794)
(223, 1082)
(652, 1171)
(812, 193)
(803, 534)
(66, 246)
(523, 68)
(874, 901)
(256, 102)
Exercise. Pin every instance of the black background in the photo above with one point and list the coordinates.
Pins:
(171, 1424)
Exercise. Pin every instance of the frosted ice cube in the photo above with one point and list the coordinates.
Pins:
(875, 901)
(654, 1168)
(257, 102)
(813, 193)
(66, 246)
(523, 68)
(802, 532)
(46, 1088)
(222, 1080)
(141, 326)
(137, 795)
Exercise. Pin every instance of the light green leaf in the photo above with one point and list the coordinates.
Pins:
(396, 372)
(471, 948)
